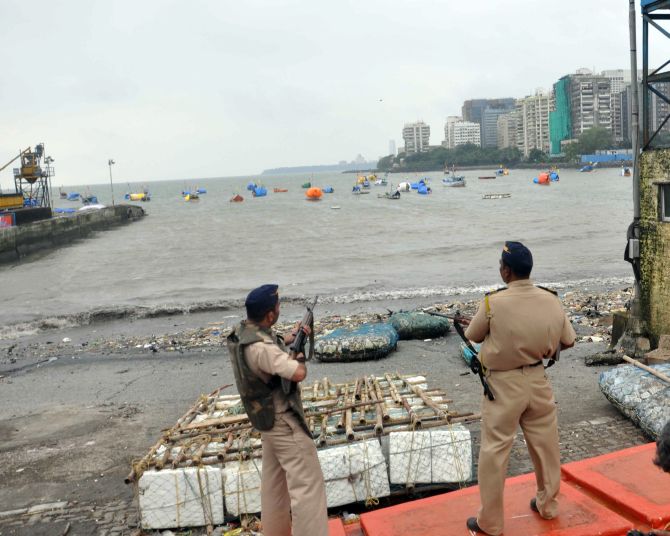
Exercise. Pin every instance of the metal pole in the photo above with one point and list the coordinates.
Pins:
(110, 162)
(635, 114)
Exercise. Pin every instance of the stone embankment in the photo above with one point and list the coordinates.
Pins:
(17, 242)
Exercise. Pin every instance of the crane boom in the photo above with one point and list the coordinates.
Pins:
(15, 158)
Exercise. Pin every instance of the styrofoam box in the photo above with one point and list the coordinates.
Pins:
(451, 455)
(185, 497)
(354, 472)
(409, 457)
(242, 484)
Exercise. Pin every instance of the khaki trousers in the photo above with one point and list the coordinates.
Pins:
(523, 397)
(292, 488)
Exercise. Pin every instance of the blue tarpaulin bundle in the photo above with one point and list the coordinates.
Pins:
(369, 341)
(418, 325)
(259, 191)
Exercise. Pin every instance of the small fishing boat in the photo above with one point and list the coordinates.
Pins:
(389, 195)
(89, 199)
(588, 168)
(454, 181)
(280, 190)
(381, 182)
(140, 196)
(63, 195)
(496, 196)
(625, 171)
(502, 171)
(73, 196)
(201, 190)
(237, 198)
(306, 185)
(191, 196)
(488, 177)
(328, 190)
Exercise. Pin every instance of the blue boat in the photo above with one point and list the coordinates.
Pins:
(202, 190)
(259, 191)
(251, 186)
(328, 190)
(586, 169)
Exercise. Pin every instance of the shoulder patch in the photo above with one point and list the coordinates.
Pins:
(496, 290)
(547, 289)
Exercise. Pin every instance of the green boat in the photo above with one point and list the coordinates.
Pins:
(307, 185)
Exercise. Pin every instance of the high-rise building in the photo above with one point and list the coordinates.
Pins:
(449, 130)
(507, 124)
(417, 137)
(619, 79)
(486, 112)
(458, 132)
(392, 149)
(582, 101)
(533, 123)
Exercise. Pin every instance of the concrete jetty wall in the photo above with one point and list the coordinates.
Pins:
(17, 242)
(654, 243)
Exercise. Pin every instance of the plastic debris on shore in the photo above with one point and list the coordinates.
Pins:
(369, 341)
(419, 325)
(639, 395)
(208, 466)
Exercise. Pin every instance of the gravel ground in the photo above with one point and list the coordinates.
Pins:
(74, 415)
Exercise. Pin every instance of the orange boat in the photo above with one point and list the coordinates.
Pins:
(280, 190)
(314, 194)
(237, 198)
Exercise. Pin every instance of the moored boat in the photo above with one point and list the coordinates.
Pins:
(456, 181)
(488, 177)
(237, 198)
(280, 190)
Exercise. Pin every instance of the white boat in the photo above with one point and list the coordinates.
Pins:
(454, 181)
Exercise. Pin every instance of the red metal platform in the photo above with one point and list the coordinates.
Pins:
(627, 481)
(602, 496)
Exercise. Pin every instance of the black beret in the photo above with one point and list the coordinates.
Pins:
(261, 300)
(518, 257)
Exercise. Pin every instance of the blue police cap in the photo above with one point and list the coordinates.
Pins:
(518, 257)
(261, 300)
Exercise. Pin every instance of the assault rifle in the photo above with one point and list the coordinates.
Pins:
(298, 344)
(475, 363)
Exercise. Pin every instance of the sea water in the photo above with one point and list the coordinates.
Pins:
(206, 255)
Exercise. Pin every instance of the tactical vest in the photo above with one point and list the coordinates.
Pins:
(257, 396)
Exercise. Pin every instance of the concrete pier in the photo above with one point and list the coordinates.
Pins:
(17, 242)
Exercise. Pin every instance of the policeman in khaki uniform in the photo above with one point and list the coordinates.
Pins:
(519, 326)
(293, 497)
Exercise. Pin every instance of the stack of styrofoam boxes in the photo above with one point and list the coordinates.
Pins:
(242, 484)
(185, 497)
(435, 456)
(354, 472)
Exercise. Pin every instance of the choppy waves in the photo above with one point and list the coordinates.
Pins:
(101, 315)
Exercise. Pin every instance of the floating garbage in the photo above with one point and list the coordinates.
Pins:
(419, 325)
(639, 395)
(369, 341)
(374, 434)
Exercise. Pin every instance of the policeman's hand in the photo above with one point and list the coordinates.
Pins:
(300, 358)
(463, 320)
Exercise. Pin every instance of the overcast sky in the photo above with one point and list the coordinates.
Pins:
(212, 88)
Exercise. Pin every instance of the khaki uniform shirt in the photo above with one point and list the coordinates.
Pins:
(524, 325)
(266, 359)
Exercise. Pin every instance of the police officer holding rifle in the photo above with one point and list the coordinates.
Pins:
(519, 327)
(293, 497)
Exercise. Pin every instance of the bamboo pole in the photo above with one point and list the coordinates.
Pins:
(364, 399)
(380, 397)
(426, 400)
(650, 370)
(340, 421)
(393, 390)
(413, 417)
(348, 424)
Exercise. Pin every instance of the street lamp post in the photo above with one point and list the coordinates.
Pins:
(110, 163)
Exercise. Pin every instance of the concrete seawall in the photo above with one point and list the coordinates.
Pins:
(17, 242)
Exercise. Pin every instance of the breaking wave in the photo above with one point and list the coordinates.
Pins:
(367, 294)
